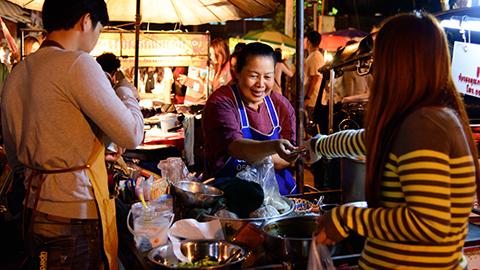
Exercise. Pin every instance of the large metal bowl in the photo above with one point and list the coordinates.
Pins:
(231, 226)
(195, 194)
(289, 238)
(196, 250)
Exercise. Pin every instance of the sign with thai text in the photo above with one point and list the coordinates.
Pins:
(156, 48)
(466, 68)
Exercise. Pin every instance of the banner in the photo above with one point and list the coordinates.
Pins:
(466, 68)
(157, 48)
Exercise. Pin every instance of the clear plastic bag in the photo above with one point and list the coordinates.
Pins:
(265, 211)
(263, 173)
(319, 257)
(174, 170)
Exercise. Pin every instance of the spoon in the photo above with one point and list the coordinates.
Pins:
(320, 200)
(231, 257)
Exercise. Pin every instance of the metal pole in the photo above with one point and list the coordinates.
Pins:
(300, 91)
(315, 15)
(22, 46)
(331, 101)
(138, 22)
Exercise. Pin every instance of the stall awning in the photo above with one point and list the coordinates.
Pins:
(14, 13)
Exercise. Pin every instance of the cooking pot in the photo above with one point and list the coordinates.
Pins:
(231, 226)
(289, 238)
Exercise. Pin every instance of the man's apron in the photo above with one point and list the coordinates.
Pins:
(285, 180)
(97, 173)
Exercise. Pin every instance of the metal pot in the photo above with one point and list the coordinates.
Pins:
(231, 226)
(289, 238)
(196, 194)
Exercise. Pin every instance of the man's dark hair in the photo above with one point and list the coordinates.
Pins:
(64, 14)
(314, 37)
(109, 62)
(253, 49)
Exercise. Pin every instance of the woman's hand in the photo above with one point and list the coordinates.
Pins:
(311, 155)
(285, 150)
(322, 237)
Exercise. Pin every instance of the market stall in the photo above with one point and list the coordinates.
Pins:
(170, 109)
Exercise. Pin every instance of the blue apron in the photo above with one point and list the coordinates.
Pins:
(285, 180)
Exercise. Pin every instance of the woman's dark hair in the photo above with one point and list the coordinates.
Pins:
(409, 73)
(63, 14)
(109, 62)
(253, 49)
(238, 47)
(278, 55)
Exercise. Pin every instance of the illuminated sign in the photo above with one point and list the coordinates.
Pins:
(466, 68)
(156, 49)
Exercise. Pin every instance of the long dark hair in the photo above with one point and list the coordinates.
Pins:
(411, 70)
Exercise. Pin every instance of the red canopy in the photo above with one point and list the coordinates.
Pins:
(332, 42)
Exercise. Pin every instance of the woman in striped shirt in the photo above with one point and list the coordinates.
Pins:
(421, 168)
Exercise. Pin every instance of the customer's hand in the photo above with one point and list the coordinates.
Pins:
(322, 236)
(311, 155)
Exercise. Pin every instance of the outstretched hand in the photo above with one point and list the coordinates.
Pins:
(286, 150)
(311, 155)
(322, 236)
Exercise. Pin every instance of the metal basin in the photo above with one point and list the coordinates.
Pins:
(233, 225)
(289, 238)
(196, 250)
(195, 194)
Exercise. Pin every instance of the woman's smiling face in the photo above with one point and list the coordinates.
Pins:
(256, 79)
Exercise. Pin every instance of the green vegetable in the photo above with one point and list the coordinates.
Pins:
(207, 261)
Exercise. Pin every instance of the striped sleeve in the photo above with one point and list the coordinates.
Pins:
(425, 181)
(347, 143)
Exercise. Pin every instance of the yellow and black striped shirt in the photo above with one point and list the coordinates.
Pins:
(427, 193)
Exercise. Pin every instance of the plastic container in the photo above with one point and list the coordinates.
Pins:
(151, 224)
(167, 121)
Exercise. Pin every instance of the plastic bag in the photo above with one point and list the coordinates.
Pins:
(263, 173)
(319, 257)
(173, 169)
(265, 211)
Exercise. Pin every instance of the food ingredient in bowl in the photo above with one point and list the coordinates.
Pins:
(200, 263)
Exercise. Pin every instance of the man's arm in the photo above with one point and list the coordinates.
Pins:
(119, 118)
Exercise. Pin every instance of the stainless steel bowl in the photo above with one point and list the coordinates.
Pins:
(196, 250)
(195, 194)
(289, 238)
(231, 226)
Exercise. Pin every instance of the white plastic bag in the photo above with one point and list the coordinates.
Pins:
(319, 257)
(263, 173)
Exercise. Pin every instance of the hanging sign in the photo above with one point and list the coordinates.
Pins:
(156, 48)
(466, 68)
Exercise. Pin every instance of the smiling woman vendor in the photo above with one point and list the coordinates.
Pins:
(246, 122)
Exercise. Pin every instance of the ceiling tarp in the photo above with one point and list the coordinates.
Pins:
(186, 12)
